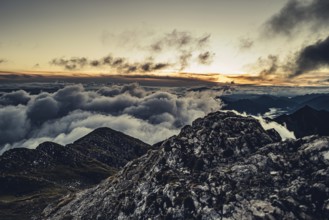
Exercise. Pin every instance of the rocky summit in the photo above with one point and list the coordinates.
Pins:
(224, 166)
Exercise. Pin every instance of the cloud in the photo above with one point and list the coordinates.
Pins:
(282, 130)
(245, 43)
(133, 89)
(309, 58)
(267, 125)
(182, 46)
(2, 61)
(73, 111)
(14, 124)
(180, 40)
(185, 45)
(267, 68)
(70, 64)
(15, 98)
(206, 58)
(117, 63)
(271, 63)
(297, 13)
(313, 57)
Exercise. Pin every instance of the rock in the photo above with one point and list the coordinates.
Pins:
(223, 166)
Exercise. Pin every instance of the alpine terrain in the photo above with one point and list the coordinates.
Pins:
(224, 166)
(32, 178)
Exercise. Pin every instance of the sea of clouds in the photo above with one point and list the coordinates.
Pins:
(63, 116)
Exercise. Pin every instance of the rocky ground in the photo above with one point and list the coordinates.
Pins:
(224, 166)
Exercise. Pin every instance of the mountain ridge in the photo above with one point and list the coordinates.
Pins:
(31, 178)
(306, 121)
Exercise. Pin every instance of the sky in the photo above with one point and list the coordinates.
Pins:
(262, 42)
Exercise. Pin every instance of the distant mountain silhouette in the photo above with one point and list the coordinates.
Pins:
(306, 121)
(31, 178)
(320, 102)
(257, 105)
(260, 104)
(305, 98)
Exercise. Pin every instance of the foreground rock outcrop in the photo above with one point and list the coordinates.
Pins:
(222, 167)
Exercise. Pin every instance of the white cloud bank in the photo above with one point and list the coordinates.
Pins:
(72, 112)
(267, 125)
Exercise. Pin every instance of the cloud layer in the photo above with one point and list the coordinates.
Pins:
(71, 112)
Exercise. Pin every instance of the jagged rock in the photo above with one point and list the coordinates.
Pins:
(224, 166)
(30, 179)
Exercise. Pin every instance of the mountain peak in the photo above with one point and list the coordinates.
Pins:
(101, 132)
(223, 166)
(307, 108)
(110, 146)
(45, 146)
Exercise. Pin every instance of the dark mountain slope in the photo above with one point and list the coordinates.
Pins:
(30, 179)
(307, 97)
(259, 104)
(110, 147)
(246, 105)
(223, 166)
(320, 102)
(306, 121)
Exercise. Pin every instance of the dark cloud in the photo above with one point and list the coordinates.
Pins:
(297, 13)
(120, 64)
(268, 68)
(43, 109)
(204, 41)
(271, 65)
(3, 61)
(15, 98)
(132, 89)
(180, 40)
(309, 58)
(70, 64)
(206, 58)
(184, 45)
(176, 39)
(313, 57)
(14, 124)
(73, 111)
(184, 59)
